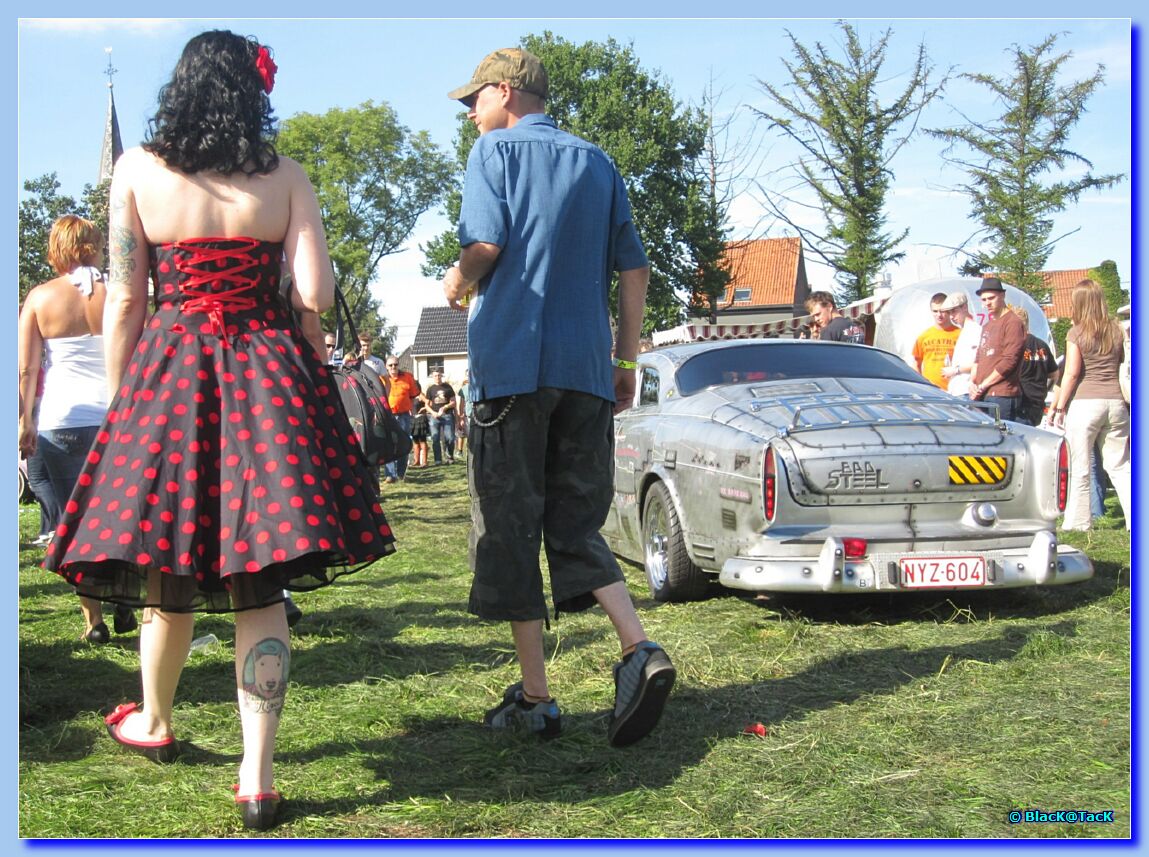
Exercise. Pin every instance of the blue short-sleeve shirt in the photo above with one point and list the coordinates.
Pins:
(558, 208)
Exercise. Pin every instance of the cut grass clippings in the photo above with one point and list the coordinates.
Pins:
(911, 716)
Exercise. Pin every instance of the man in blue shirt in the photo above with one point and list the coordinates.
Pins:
(545, 222)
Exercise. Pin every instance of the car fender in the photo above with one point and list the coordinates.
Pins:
(660, 473)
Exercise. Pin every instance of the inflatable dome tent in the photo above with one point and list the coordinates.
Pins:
(906, 314)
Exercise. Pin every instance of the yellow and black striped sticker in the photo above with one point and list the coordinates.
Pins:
(978, 469)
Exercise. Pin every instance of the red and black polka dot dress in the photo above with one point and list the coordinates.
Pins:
(225, 460)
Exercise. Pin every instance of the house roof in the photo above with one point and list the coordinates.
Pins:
(766, 266)
(1060, 285)
(441, 331)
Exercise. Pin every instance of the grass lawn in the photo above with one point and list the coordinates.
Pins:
(884, 717)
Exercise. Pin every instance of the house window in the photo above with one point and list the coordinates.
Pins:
(434, 364)
(741, 296)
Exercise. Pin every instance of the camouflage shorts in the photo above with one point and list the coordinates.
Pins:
(541, 474)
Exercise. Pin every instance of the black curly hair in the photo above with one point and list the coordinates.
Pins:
(213, 114)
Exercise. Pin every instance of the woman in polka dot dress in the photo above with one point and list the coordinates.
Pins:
(225, 471)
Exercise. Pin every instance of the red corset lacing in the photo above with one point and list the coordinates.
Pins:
(200, 269)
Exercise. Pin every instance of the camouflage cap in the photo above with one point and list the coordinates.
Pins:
(521, 69)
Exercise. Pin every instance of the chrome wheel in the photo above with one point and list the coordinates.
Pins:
(654, 531)
(670, 573)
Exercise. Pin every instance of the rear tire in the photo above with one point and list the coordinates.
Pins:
(670, 574)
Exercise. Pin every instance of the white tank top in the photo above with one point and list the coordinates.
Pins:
(75, 383)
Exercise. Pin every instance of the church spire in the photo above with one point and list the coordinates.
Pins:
(112, 148)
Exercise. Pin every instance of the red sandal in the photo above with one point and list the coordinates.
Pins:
(160, 752)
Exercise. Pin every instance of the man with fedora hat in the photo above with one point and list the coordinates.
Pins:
(544, 223)
(997, 373)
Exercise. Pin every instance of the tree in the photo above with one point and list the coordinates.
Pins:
(720, 174)
(599, 92)
(847, 135)
(1009, 154)
(1107, 276)
(39, 211)
(374, 178)
(442, 251)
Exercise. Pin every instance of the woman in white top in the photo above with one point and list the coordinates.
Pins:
(60, 329)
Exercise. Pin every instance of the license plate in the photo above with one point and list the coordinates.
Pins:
(942, 572)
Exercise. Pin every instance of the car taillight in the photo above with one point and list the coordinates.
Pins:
(854, 548)
(770, 485)
(1062, 476)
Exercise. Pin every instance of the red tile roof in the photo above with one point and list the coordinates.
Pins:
(1060, 285)
(766, 266)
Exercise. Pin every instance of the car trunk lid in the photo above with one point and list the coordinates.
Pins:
(850, 446)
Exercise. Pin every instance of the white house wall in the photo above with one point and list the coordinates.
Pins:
(453, 368)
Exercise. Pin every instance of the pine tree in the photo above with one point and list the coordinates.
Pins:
(848, 135)
(1008, 155)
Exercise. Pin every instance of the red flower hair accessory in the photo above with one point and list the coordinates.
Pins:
(266, 67)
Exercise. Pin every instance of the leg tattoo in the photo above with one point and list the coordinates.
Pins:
(265, 676)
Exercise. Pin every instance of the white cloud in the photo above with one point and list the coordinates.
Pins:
(923, 192)
(1115, 56)
(135, 26)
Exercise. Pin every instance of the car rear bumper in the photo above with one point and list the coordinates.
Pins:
(1043, 563)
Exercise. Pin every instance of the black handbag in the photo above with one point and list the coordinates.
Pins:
(364, 395)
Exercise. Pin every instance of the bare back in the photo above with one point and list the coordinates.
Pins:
(173, 205)
(59, 309)
(154, 204)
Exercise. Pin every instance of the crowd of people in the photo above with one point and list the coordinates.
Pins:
(1003, 363)
(433, 412)
(210, 466)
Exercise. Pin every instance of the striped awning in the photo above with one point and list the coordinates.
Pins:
(702, 332)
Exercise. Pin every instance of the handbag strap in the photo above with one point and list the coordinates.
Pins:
(343, 314)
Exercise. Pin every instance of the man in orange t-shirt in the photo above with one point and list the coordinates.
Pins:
(934, 348)
(402, 390)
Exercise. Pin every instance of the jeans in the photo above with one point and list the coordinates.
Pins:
(444, 426)
(398, 469)
(1009, 407)
(41, 484)
(64, 452)
(1090, 421)
(1097, 482)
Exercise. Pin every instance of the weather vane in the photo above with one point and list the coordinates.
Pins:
(109, 71)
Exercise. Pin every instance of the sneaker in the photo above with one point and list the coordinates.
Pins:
(516, 713)
(642, 682)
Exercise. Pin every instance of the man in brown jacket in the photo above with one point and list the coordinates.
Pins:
(997, 372)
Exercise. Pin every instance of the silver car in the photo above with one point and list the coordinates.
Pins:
(798, 466)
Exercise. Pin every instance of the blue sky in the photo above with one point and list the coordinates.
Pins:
(62, 99)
